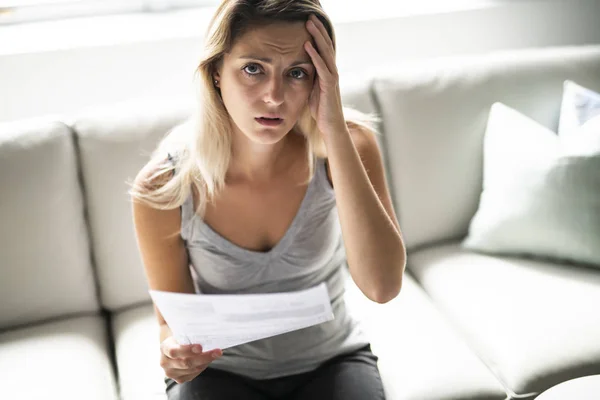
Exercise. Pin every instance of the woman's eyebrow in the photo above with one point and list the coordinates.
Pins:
(270, 61)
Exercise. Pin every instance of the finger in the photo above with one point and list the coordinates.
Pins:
(178, 372)
(323, 30)
(196, 360)
(172, 349)
(322, 69)
(186, 377)
(325, 50)
(322, 46)
(187, 364)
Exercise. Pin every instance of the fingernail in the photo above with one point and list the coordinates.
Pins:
(197, 349)
(216, 354)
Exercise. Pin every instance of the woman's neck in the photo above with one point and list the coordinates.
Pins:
(259, 163)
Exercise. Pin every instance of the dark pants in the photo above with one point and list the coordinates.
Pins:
(351, 376)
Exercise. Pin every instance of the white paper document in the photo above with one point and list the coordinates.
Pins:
(226, 320)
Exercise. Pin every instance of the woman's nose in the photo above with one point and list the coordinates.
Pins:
(274, 91)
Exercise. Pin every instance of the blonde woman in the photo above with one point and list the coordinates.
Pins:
(271, 186)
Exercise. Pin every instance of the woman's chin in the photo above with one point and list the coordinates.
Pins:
(269, 135)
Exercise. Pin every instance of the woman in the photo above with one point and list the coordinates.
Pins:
(263, 190)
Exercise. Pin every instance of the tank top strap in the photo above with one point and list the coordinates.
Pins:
(186, 210)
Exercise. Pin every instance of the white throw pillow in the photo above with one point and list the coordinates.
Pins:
(541, 192)
(579, 105)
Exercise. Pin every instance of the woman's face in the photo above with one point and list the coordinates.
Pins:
(267, 74)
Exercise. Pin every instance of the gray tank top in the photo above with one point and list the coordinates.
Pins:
(310, 252)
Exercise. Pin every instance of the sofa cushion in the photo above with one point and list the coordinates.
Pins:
(64, 359)
(534, 323)
(115, 142)
(541, 191)
(45, 265)
(137, 346)
(420, 356)
(434, 118)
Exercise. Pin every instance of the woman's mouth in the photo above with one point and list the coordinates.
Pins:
(269, 121)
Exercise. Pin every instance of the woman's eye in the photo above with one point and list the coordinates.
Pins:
(251, 69)
(301, 73)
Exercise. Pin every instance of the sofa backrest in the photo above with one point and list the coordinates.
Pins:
(114, 143)
(45, 263)
(434, 118)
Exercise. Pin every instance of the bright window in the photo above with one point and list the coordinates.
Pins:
(16, 11)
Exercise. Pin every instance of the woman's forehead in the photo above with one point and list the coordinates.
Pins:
(279, 39)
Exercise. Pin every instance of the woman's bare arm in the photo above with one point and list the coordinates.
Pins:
(162, 249)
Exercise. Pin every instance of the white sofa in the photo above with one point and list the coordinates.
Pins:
(75, 315)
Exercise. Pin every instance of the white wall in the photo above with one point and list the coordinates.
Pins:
(65, 81)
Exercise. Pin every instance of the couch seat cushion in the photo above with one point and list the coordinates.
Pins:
(64, 359)
(420, 356)
(534, 323)
(137, 346)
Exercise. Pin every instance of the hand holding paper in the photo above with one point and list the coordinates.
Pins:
(222, 321)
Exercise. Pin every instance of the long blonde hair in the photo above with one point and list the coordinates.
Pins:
(197, 152)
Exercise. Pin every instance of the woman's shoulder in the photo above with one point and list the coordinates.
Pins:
(156, 173)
